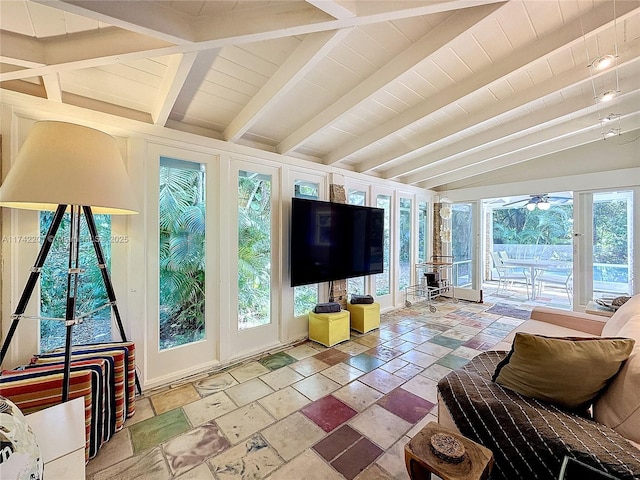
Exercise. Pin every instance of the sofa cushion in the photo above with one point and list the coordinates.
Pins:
(619, 406)
(553, 369)
(528, 438)
(621, 318)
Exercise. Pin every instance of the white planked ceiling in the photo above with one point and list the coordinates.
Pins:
(425, 92)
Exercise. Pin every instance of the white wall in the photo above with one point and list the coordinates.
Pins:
(132, 262)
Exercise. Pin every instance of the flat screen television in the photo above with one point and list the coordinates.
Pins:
(332, 241)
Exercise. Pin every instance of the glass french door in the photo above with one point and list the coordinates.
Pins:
(605, 238)
(464, 246)
(181, 267)
(256, 274)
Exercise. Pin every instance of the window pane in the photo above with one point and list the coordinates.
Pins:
(462, 243)
(423, 231)
(355, 286)
(383, 280)
(182, 252)
(405, 243)
(254, 250)
(305, 297)
(612, 224)
(91, 295)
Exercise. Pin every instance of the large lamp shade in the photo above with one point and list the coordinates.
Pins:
(65, 164)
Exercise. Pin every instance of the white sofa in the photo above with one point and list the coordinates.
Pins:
(618, 408)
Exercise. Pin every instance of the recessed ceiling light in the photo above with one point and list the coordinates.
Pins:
(603, 62)
(608, 95)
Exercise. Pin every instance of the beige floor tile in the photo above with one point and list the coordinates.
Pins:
(249, 460)
(466, 352)
(393, 460)
(151, 465)
(307, 466)
(281, 378)
(368, 341)
(393, 365)
(381, 380)
(201, 472)
(374, 472)
(293, 435)
(316, 386)
(433, 349)
(418, 358)
(144, 410)
(248, 391)
(208, 408)
(248, 371)
(421, 424)
(342, 373)
(244, 422)
(408, 371)
(380, 426)
(115, 450)
(215, 383)
(284, 402)
(309, 366)
(352, 348)
(174, 398)
(301, 351)
(358, 395)
(435, 371)
(423, 387)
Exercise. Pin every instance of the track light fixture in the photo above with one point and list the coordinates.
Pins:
(608, 95)
(603, 61)
(611, 117)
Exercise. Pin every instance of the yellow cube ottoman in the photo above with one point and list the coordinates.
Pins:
(364, 316)
(329, 329)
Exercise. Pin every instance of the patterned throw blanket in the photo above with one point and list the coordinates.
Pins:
(529, 438)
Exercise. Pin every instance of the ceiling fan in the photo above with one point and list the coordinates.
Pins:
(542, 201)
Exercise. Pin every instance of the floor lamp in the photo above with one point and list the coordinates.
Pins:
(75, 169)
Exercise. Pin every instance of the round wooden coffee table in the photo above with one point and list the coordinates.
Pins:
(421, 460)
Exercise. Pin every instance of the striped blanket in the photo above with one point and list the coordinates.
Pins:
(529, 438)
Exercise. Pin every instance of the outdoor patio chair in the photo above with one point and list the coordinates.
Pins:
(508, 275)
(563, 278)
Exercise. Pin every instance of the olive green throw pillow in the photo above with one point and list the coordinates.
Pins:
(566, 371)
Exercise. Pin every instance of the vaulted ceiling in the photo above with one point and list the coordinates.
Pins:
(424, 92)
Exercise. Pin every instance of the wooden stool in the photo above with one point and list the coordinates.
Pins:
(329, 328)
(421, 461)
(364, 316)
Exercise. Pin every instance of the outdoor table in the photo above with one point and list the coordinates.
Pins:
(536, 267)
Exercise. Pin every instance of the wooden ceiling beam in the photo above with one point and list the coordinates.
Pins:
(577, 130)
(451, 28)
(564, 37)
(172, 84)
(420, 157)
(306, 56)
(338, 10)
(154, 20)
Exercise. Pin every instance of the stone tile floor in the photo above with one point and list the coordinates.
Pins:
(308, 412)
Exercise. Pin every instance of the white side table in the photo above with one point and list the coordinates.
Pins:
(61, 436)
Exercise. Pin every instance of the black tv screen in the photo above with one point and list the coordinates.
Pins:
(332, 241)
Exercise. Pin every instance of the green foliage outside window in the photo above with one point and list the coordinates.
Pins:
(182, 255)
(254, 250)
(91, 293)
(520, 226)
